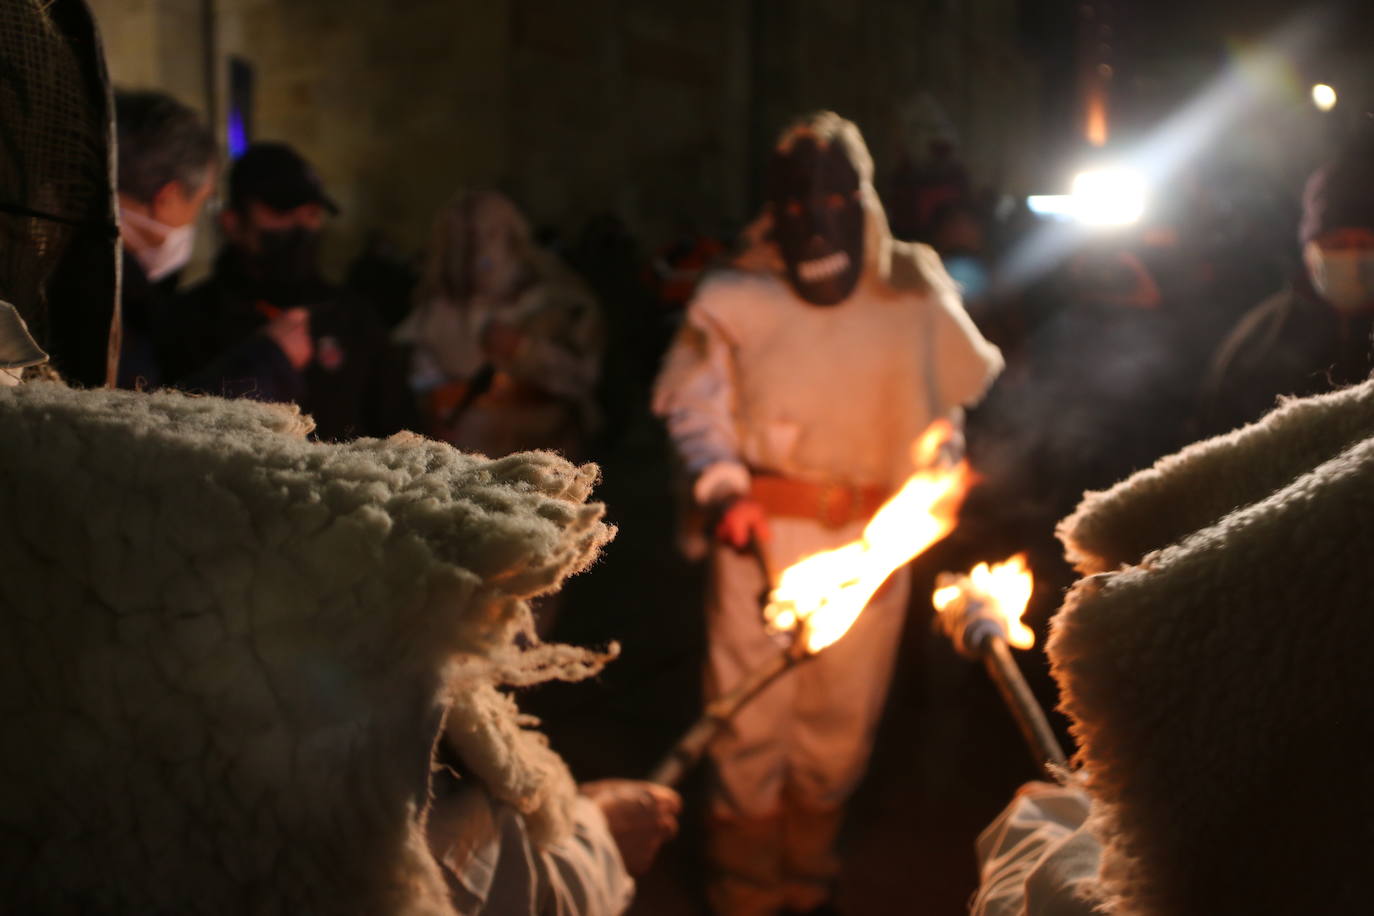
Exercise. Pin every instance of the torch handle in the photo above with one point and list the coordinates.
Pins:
(686, 752)
(1030, 717)
(760, 555)
(692, 745)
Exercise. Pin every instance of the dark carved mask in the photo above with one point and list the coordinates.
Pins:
(818, 219)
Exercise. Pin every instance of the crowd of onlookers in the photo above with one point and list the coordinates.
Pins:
(502, 336)
(495, 342)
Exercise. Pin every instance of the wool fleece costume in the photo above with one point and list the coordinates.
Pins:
(228, 654)
(799, 383)
(1214, 663)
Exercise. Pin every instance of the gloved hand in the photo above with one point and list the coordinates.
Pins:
(742, 521)
(642, 817)
(290, 330)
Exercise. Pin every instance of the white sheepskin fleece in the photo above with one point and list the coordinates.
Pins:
(227, 651)
(1216, 667)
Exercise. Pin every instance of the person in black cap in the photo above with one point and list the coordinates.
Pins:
(1317, 334)
(266, 324)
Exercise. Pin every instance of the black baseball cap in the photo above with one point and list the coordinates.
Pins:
(276, 175)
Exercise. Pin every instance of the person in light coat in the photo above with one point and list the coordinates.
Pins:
(794, 393)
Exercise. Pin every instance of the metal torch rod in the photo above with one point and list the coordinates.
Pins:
(692, 745)
(1030, 717)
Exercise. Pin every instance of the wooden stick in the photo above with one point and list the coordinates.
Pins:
(1025, 709)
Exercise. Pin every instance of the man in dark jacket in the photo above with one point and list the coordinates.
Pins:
(167, 163)
(267, 325)
(1317, 334)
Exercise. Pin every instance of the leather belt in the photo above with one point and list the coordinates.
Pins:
(833, 505)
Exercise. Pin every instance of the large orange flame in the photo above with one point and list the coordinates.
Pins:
(825, 592)
(1001, 592)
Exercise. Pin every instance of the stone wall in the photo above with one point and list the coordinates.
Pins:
(156, 44)
(654, 109)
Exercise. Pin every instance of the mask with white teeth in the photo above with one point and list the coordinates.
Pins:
(818, 218)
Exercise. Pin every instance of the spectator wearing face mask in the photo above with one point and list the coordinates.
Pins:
(266, 324)
(167, 166)
(1317, 334)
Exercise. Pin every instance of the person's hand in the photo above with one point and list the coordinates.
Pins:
(500, 341)
(742, 521)
(642, 817)
(291, 332)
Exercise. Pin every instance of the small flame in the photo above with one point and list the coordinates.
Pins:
(1002, 592)
(946, 595)
(1095, 118)
(825, 592)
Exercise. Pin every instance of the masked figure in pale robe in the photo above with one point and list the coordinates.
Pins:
(794, 393)
(507, 341)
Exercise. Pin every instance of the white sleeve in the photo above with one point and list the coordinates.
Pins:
(695, 395)
(1038, 858)
(493, 869)
(965, 362)
(584, 874)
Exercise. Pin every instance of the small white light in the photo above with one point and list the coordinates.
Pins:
(1324, 97)
(1108, 197)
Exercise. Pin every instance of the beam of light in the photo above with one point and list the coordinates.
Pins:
(1060, 205)
(1240, 89)
(1324, 97)
(1109, 197)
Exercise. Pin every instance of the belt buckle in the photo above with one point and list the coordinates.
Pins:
(839, 505)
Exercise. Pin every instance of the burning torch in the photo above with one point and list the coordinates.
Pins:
(816, 600)
(981, 614)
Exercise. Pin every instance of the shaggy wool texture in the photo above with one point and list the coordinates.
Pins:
(227, 651)
(1216, 670)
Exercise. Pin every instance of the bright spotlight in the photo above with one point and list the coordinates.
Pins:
(1108, 197)
(1163, 152)
(1324, 97)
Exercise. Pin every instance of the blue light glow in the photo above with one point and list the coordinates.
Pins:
(236, 135)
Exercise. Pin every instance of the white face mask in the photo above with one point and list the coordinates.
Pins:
(1344, 277)
(165, 257)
